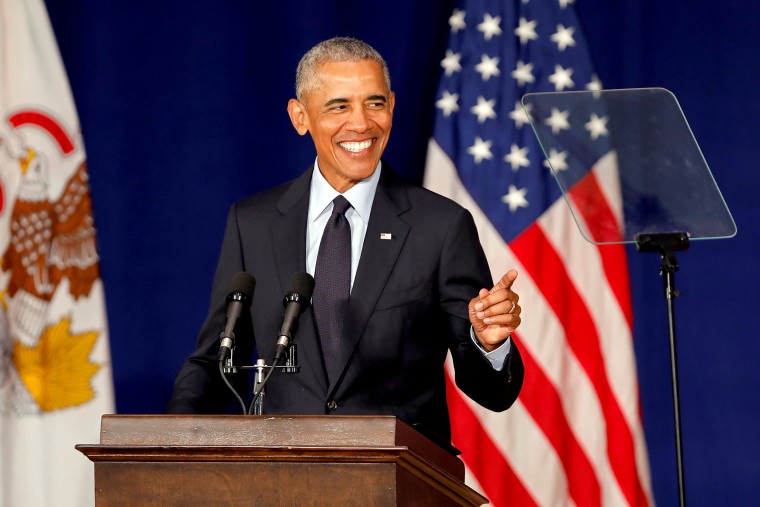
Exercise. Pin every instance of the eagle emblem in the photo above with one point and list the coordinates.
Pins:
(44, 365)
(50, 240)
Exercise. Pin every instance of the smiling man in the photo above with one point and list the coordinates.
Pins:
(400, 276)
(347, 107)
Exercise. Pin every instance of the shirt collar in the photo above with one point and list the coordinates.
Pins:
(360, 195)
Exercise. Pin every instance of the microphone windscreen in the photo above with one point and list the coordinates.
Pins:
(244, 283)
(303, 284)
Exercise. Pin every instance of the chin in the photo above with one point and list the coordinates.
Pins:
(364, 172)
(360, 169)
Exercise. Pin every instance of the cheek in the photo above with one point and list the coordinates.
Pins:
(384, 121)
(330, 124)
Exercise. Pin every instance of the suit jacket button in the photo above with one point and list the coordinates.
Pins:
(331, 405)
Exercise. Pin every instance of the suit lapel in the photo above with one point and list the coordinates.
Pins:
(379, 255)
(288, 238)
(288, 230)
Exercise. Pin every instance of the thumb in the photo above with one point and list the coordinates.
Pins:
(506, 281)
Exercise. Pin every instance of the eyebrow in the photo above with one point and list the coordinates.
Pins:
(332, 102)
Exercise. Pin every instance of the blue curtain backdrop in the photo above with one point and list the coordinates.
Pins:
(182, 106)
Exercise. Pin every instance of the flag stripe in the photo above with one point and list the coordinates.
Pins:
(603, 183)
(525, 447)
(496, 477)
(538, 256)
(543, 403)
(523, 444)
(616, 337)
(582, 261)
(554, 356)
(590, 200)
(583, 264)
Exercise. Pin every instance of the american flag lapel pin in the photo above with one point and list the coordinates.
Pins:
(386, 235)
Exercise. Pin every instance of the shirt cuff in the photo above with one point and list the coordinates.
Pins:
(496, 357)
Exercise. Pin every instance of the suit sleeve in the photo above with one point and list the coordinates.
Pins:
(462, 273)
(198, 388)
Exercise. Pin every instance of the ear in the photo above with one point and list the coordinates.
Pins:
(298, 116)
(392, 101)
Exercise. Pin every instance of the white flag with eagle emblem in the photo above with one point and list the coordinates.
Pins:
(55, 373)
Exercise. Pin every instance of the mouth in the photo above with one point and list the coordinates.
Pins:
(356, 147)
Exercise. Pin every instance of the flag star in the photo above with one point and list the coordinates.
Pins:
(523, 73)
(484, 109)
(565, 3)
(515, 198)
(520, 114)
(490, 26)
(451, 62)
(595, 86)
(557, 160)
(558, 120)
(517, 158)
(561, 78)
(456, 21)
(488, 67)
(563, 37)
(448, 103)
(481, 150)
(526, 30)
(597, 126)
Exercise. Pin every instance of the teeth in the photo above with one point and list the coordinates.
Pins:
(356, 147)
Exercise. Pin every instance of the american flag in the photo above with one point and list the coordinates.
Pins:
(574, 437)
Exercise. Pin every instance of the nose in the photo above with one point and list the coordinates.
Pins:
(359, 120)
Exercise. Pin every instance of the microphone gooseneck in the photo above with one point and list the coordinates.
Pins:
(296, 300)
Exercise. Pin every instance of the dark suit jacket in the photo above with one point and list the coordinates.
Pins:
(408, 307)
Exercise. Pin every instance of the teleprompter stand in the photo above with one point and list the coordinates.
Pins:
(666, 244)
(632, 172)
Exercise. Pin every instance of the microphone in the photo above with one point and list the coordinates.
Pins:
(238, 299)
(296, 300)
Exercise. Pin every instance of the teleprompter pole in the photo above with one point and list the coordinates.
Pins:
(666, 244)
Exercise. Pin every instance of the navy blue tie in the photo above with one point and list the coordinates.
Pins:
(332, 278)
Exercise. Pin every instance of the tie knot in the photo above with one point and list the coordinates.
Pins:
(340, 205)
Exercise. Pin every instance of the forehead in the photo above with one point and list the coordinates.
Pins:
(363, 76)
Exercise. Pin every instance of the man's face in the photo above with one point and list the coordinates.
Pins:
(349, 116)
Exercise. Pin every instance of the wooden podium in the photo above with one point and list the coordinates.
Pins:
(171, 460)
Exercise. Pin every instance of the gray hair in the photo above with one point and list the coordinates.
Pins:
(337, 49)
